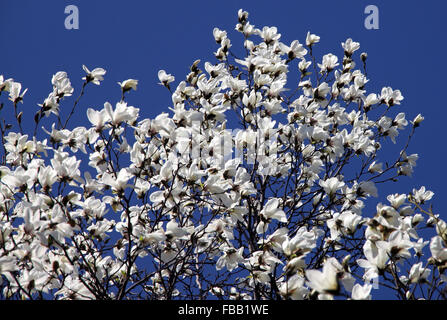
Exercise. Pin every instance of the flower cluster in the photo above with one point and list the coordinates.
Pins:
(183, 206)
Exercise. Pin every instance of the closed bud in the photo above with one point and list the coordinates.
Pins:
(364, 56)
(417, 120)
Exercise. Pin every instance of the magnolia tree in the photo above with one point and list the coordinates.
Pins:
(244, 189)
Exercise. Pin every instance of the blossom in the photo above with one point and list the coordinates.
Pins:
(242, 15)
(50, 105)
(269, 212)
(418, 273)
(269, 34)
(327, 280)
(294, 288)
(230, 258)
(5, 85)
(331, 185)
(122, 113)
(329, 62)
(391, 97)
(438, 251)
(219, 35)
(128, 84)
(350, 46)
(61, 85)
(311, 39)
(15, 94)
(98, 118)
(370, 100)
(375, 262)
(367, 188)
(421, 195)
(296, 50)
(94, 76)
(303, 65)
(417, 120)
(361, 292)
(164, 78)
(375, 167)
(118, 182)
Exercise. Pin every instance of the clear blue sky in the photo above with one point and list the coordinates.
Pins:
(135, 38)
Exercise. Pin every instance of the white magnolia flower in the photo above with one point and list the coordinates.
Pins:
(296, 50)
(328, 280)
(94, 76)
(329, 63)
(391, 97)
(5, 85)
(122, 113)
(396, 200)
(421, 195)
(98, 118)
(269, 34)
(50, 105)
(173, 231)
(61, 85)
(164, 78)
(418, 273)
(370, 100)
(128, 84)
(417, 120)
(118, 182)
(230, 258)
(269, 212)
(375, 262)
(219, 35)
(375, 167)
(311, 39)
(367, 188)
(361, 292)
(331, 185)
(350, 46)
(15, 94)
(303, 65)
(294, 288)
(438, 251)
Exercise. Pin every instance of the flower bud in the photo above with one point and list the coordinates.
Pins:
(364, 56)
(417, 120)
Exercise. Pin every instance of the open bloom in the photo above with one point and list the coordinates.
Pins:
(269, 212)
(331, 185)
(311, 39)
(438, 251)
(230, 259)
(418, 273)
(128, 84)
(295, 50)
(5, 84)
(165, 79)
(390, 97)
(94, 76)
(375, 262)
(123, 112)
(14, 92)
(361, 292)
(330, 61)
(327, 280)
(350, 46)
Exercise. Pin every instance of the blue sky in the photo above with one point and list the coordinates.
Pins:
(134, 39)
